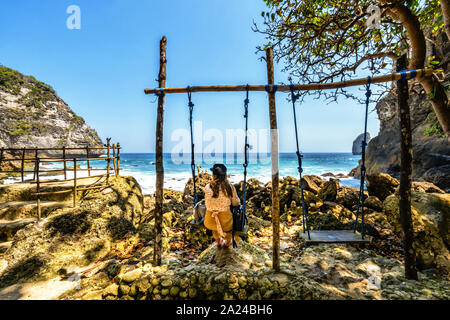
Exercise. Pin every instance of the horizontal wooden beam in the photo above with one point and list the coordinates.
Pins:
(51, 160)
(56, 149)
(298, 87)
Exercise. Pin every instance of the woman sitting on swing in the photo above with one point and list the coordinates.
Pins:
(219, 195)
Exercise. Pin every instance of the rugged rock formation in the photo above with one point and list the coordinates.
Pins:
(32, 115)
(356, 148)
(430, 216)
(431, 150)
(75, 236)
(381, 185)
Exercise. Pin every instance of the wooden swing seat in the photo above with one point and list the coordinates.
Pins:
(334, 236)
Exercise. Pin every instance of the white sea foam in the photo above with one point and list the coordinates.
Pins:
(177, 180)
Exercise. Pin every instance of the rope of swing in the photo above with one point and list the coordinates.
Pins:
(294, 98)
(246, 150)
(191, 111)
(361, 198)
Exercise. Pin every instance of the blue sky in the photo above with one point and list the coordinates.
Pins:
(102, 69)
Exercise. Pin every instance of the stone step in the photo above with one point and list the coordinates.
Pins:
(28, 209)
(9, 228)
(4, 246)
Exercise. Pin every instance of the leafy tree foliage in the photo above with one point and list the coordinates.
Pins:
(328, 40)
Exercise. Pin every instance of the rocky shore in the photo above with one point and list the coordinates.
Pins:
(104, 248)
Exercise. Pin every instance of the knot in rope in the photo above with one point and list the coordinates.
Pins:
(272, 88)
(368, 91)
(294, 96)
(159, 92)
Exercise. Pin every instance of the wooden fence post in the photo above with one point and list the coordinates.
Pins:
(65, 165)
(274, 157)
(118, 158)
(159, 194)
(114, 160)
(108, 145)
(38, 188)
(22, 167)
(406, 173)
(74, 182)
(1, 157)
(88, 165)
(35, 162)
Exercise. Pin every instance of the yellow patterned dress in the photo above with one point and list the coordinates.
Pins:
(218, 210)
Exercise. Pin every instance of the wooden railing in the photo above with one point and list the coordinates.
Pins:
(20, 155)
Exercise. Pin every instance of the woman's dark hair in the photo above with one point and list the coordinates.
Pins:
(220, 182)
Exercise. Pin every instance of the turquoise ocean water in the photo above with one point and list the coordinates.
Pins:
(178, 171)
(141, 166)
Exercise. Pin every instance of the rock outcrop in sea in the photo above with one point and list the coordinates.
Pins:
(33, 115)
(356, 148)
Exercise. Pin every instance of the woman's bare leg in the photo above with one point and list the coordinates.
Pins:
(228, 239)
(217, 238)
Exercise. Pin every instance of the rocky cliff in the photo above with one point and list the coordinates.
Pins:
(33, 115)
(431, 150)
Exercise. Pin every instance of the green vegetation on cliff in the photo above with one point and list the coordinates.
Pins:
(435, 127)
(13, 81)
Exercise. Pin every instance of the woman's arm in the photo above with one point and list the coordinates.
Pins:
(208, 196)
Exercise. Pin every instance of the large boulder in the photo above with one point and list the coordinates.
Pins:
(203, 178)
(373, 203)
(312, 183)
(430, 217)
(347, 197)
(426, 187)
(440, 176)
(253, 187)
(331, 216)
(329, 190)
(260, 204)
(381, 185)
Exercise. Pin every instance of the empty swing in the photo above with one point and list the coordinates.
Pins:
(334, 236)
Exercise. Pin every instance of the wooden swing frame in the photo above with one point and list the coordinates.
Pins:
(342, 236)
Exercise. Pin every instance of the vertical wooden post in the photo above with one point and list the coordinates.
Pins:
(22, 167)
(108, 146)
(159, 157)
(65, 165)
(88, 165)
(274, 157)
(406, 173)
(35, 162)
(114, 160)
(2, 150)
(38, 188)
(118, 158)
(74, 182)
